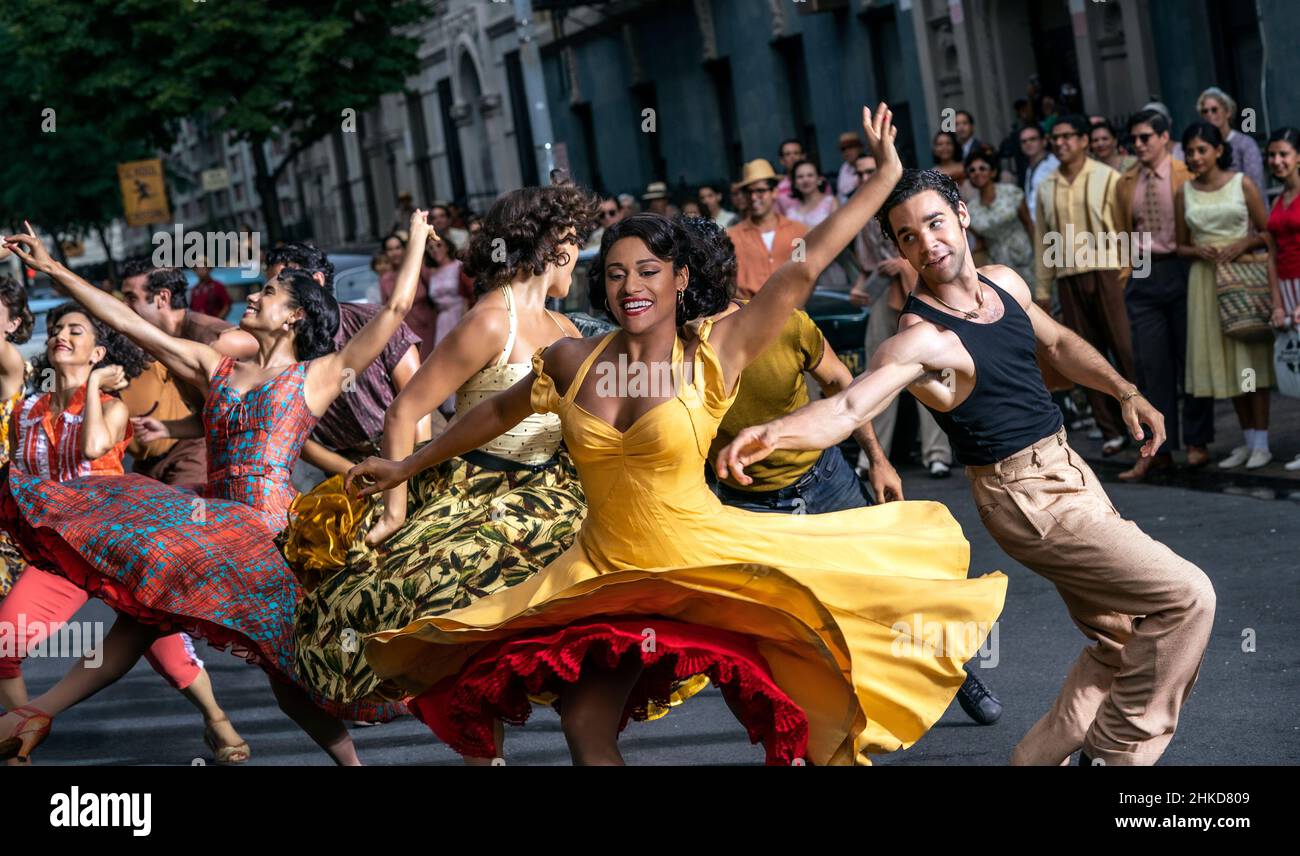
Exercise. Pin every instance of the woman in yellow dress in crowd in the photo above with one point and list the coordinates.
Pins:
(804, 622)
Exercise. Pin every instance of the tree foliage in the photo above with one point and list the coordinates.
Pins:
(121, 74)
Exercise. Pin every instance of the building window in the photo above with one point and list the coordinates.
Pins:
(798, 92)
(582, 112)
(420, 142)
(519, 113)
(645, 98)
(719, 72)
(451, 135)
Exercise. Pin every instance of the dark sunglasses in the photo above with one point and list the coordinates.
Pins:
(1142, 138)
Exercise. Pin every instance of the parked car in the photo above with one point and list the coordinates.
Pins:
(843, 324)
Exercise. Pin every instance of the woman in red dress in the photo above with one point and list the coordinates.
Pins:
(171, 561)
(78, 429)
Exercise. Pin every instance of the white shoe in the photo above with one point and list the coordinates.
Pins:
(1258, 458)
(1095, 434)
(939, 470)
(1237, 457)
(1292, 465)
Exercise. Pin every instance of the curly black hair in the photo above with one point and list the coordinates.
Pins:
(314, 336)
(524, 232)
(912, 182)
(302, 256)
(13, 294)
(695, 243)
(118, 349)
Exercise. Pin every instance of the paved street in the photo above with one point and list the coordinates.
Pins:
(1242, 712)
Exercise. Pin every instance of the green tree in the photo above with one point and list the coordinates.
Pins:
(129, 70)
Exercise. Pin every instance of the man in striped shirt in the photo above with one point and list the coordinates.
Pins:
(1080, 247)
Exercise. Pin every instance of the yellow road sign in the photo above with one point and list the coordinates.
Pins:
(144, 194)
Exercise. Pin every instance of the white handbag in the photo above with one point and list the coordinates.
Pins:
(1286, 362)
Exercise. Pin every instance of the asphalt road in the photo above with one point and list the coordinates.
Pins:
(1242, 711)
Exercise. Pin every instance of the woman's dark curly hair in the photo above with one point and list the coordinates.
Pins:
(695, 243)
(314, 335)
(118, 349)
(523, 232)
(14, 296)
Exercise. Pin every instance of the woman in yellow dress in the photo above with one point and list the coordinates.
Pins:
(830, 636)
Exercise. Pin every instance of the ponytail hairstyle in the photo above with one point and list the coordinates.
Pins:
(695, 243)
(1213, 137)
(313, 336)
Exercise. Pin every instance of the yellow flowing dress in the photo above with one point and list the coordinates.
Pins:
(842, 609)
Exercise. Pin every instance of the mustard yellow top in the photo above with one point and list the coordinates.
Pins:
(830, 600)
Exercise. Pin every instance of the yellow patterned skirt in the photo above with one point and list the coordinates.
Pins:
(470, 531)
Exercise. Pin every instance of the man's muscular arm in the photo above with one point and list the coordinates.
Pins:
(899, 362)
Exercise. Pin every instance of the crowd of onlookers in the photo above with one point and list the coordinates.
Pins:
(1189, 313)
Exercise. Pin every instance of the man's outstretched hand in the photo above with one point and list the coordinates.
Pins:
(752, 444)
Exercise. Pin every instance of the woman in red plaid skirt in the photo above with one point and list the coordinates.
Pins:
(167, 560)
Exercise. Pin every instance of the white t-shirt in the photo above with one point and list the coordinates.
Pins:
(769, 238)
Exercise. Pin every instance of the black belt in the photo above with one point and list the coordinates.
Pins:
(498, 464)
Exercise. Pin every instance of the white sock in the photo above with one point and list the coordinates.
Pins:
(1261, 439)
(1250, 437)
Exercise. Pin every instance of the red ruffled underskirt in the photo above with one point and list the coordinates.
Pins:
(497, 682)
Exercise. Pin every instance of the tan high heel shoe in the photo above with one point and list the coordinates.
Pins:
(225, 755)
(33, 727)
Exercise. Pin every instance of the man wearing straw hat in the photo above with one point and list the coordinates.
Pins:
(765, 239)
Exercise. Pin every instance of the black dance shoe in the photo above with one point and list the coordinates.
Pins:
(978, 700)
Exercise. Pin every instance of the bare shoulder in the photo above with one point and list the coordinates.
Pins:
(115, 407)
(1010, 282)
(565, 356)
(11, 359)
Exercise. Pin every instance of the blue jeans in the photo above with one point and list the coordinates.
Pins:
(829, 485)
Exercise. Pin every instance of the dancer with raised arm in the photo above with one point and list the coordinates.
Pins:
(966, 349)
(480, 521)
(79, 428)
(800, 620)
(173, 561)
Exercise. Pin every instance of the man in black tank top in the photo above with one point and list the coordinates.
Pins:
(967, 348)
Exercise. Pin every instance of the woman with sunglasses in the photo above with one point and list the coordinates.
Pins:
(1218, 108)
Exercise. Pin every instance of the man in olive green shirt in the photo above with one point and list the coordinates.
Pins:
(808, 482)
